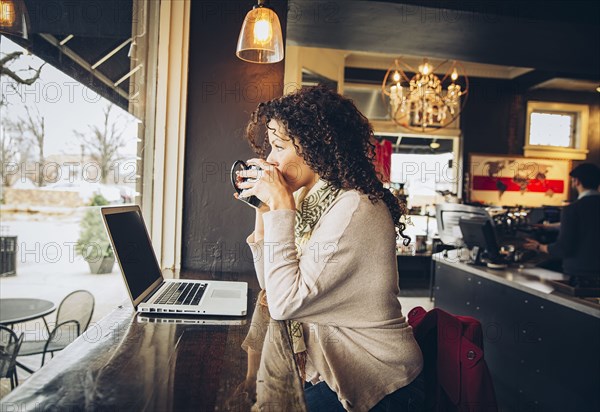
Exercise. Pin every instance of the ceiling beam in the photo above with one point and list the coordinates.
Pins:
(85, 65)
(531, 79)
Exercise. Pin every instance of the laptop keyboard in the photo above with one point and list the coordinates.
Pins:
(181, 293)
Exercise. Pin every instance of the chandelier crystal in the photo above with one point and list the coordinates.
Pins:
(424, 101)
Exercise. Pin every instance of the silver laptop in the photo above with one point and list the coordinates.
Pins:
(189, 320)
(148, 290)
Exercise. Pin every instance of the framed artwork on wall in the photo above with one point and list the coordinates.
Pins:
(507, 180)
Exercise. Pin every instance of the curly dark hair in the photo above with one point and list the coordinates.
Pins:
(336, 140)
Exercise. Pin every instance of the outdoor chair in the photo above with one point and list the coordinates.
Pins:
(9, 349)
(72, 319)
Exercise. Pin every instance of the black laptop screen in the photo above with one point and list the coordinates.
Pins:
(134, 251)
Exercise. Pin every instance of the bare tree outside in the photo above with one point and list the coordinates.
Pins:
(19, 135)
(8, 154)
(31, 128)
(5, 70)
(104, 142)
(15, 152)
(16, 147)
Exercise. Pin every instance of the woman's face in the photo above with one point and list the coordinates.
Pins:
(283, 155)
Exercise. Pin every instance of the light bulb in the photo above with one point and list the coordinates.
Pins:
(396, 77)
(263, 30)
(260, 39)
(425, 68)
(7, 13)
(454, 75)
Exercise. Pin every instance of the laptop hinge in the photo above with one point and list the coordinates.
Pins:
(154, 291)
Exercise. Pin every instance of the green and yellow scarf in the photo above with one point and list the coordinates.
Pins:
(310, 207)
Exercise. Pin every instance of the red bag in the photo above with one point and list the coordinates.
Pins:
(456, 375)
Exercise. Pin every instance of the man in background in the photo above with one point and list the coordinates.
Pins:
(579, 236)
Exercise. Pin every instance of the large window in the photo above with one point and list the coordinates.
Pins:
(77, 109)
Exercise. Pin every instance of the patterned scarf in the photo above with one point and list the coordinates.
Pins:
(308, 212)
(309, 209)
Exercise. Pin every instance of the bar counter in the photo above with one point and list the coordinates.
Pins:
(541, 345)
(130, 362)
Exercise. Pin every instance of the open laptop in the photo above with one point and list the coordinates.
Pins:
(148, 290)
(189, 320)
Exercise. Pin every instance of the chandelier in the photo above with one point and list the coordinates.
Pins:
(424, 101)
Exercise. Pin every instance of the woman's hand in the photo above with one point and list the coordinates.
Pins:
(244, 395)
(270, 187)
(239, 182)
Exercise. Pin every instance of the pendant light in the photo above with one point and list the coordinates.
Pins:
(14, 19)
(260, 38)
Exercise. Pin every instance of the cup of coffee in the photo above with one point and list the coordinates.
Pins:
(240, 165)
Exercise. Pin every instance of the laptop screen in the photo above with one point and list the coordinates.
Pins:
(134, 250)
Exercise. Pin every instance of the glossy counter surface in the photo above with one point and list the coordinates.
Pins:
(531, 280)
(129, 362)
(541, 346)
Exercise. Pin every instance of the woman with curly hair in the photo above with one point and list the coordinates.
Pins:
(324, 248)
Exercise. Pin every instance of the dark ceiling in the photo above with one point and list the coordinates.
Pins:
(557, 38)
(81, 18)
(584, 12)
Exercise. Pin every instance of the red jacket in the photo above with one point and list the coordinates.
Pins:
(456, 375)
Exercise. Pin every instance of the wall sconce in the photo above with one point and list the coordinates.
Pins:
(14, 19)
(260, 39)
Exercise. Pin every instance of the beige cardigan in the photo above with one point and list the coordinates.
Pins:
(343, 287)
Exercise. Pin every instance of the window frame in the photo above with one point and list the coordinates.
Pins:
(165, 206)
(578, 150)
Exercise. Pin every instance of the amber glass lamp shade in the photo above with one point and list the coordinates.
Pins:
(260, 39)
(14, 19)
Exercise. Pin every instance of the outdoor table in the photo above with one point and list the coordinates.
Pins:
(17, 310)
